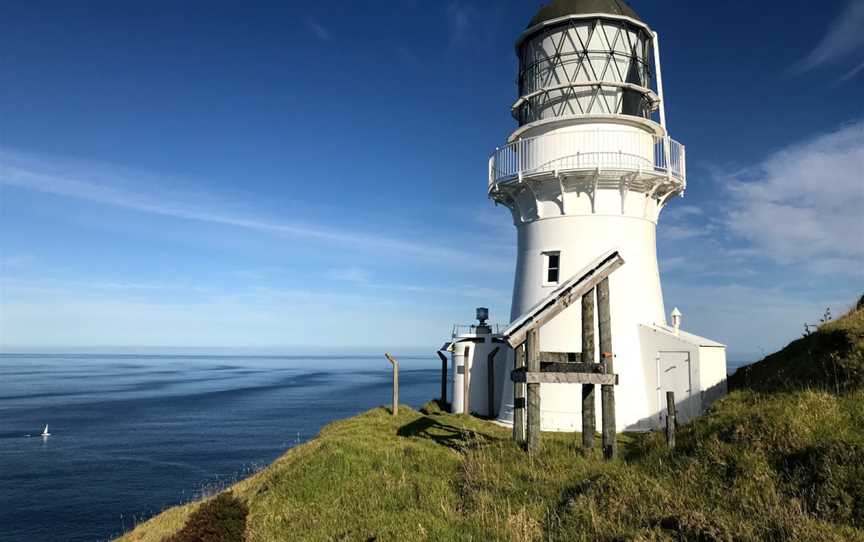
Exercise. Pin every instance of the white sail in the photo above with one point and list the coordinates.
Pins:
(45, 431)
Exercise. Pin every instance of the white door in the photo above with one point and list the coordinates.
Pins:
(673, 374)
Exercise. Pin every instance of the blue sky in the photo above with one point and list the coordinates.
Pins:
(276, 175)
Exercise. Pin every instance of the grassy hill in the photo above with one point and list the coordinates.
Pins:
(781, 457)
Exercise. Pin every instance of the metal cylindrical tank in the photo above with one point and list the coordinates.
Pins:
(470, 353)
(459, 352)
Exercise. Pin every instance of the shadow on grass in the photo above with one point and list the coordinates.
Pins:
(222, 519)
(456, 438)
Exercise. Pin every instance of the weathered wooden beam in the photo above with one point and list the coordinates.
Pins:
(443, 377)
(565, 378)
(533, 366)
(550, 367)
(519, 399)
(466, 381)
(490, 381)
(547, 367)
(588, 399)
(607, 392)
(671, 421)
(558, 300)
(560, 357)
(395, 408)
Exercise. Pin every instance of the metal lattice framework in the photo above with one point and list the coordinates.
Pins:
(585, 66)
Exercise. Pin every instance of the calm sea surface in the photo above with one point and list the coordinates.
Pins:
(133, 434)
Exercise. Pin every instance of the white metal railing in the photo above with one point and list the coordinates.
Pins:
(464, 329)
(588, 150)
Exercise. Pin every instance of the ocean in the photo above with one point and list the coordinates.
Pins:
(134, 434)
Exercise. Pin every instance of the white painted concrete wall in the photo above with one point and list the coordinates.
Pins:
(635, 297)
(712, 374)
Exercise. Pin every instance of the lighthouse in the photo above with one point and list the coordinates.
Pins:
(588, 169)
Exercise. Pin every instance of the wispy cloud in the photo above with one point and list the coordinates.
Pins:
(317, 29)
(842, 44)
(803, 204)
(364, 278)
(460, 19)
(24, 172)
(682, 222)
(349, 274)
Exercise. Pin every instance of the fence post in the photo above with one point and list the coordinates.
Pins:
(443, 378)
(588, 401)
(607, 391)
(519, 399)
(392, 360)
(670, 419)
(533, 390)
(490, 381)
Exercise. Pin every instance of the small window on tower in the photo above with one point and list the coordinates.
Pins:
(553, 267)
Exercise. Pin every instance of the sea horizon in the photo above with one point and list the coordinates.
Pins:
(134, 433)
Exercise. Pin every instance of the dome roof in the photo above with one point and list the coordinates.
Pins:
(563, 8)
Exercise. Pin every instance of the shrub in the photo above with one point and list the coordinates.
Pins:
(222, 519)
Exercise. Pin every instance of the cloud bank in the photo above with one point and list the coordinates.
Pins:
(39, 175)
(805, 203)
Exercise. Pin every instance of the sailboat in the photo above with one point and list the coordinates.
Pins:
(45, 432)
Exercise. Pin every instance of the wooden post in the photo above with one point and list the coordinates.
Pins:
(519, 399)
(443, 378)
(588, 401)
(670, 419)
(466, 373)
(533, 366)
(490, 381)
(607, 392)
(392, 360)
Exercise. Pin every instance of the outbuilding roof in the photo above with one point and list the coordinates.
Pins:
(689, 338)
(562, 8)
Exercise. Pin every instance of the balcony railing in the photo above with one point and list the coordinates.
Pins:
(468, 329)
(589, 150)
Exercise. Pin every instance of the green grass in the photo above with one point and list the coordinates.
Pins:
(779, 459)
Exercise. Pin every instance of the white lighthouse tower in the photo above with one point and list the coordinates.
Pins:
(589, 169)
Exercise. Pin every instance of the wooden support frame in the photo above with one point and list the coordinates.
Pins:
(562, 297)
(588, 397)
(607, 392)
(560, 357)
(532, 365)
(555, 367)
(529, 371)
(565, 378)
(519, 399)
